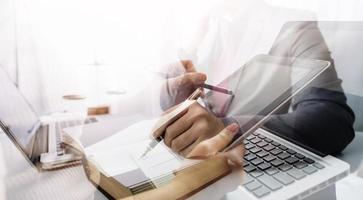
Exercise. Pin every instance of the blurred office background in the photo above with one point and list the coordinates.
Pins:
(53, 48)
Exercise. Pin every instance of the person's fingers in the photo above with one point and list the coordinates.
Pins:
(187, 152)
(185, 83)
(192, 79)
(188, 66)
(234, 156)
(223, 138)
(215, 144)
(186, 139)
(176, 128)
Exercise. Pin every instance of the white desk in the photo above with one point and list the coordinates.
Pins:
(19, 180)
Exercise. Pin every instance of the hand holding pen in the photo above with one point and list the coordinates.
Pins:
(181, 80)
(167, 119)
(177, 113)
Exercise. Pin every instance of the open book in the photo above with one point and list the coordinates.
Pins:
(116, 163)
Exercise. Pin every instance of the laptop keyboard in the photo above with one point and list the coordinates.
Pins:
(270, 166)
(65, 124)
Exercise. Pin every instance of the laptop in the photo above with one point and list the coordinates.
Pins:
(275, 167)
(38, 137)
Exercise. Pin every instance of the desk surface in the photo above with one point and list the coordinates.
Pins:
(19, 180)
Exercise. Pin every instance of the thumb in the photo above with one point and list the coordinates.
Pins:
(195, 78)
(188, 65)
(215, 144)
(223, 138)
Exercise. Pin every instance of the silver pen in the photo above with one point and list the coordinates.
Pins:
(152, 145)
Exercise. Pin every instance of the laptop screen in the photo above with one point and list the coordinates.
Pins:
(17, 118)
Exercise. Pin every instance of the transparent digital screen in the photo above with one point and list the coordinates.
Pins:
(16, 113)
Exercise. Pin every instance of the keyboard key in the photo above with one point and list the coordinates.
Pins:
(318, 165)
(255, 150)
(275, 151)
(276, 144)
(284, 178)
(255, 140)
(250, 137)
(263, 166)
(247, 152)
(300, 165)
(245, 164)
(268, 140)
(270, 182)
(262, 191)
(253, 185)
(310, 169)
(268, 147)
(285, 167)
(271, 171)
(282, 147)
(256, 173)
(262, 154)
(262, 144)
(295, 173)
(309, 160)
(299, 156)
(290, 151)
(250, 157)
(246, 142)
(247, 179)
(283, 155)
(257, 161)
(269, 158)
(276, 162)
(261, 136)
(291, 160)
(249, 146)
(249, 168)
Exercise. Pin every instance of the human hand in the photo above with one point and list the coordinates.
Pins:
(212, 147)
(177, 88)
(194, 126)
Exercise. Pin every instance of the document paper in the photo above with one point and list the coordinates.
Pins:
(122, 152)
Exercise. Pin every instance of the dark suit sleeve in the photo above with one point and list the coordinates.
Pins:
(319, 116)
(321, 120)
